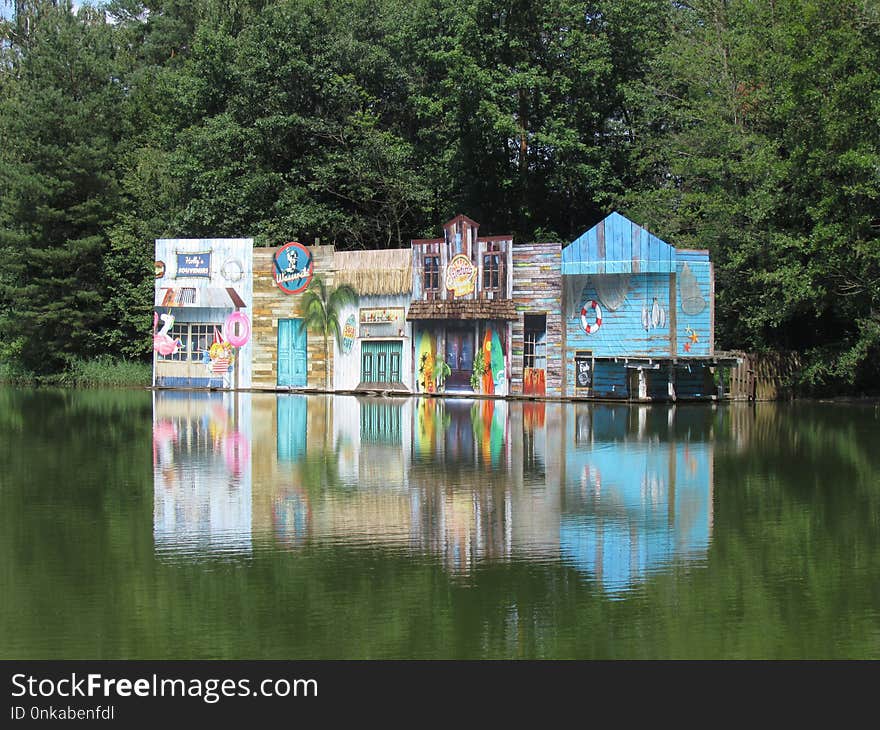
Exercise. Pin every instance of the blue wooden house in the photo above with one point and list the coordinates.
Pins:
(639, 316)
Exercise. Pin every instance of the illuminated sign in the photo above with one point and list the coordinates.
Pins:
(460, 275)
(293, 268)
(194, 264)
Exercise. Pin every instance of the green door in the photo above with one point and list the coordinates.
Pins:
(380, 361)
(292, 353)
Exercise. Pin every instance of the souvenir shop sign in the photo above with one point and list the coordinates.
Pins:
(461, 275)
(194, 264)
(293, 268)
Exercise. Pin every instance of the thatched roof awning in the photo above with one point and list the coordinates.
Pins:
(383, 272)
(463, 309)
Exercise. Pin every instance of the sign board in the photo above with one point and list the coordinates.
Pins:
(461, 276)
(381, 315)
(583, 369)
(349, 332)
(293, 268)
(160, 269)
(193, 265)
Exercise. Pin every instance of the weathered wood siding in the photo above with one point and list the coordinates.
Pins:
(460, 237)
(537, 289)
(270, 305)
(703, 323)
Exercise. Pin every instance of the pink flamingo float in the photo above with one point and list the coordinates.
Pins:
(162, 342)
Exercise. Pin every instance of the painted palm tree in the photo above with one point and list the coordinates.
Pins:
(321, 312)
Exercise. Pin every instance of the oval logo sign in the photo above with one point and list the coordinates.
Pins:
(160, 269)
(293, 268)
(460, 275)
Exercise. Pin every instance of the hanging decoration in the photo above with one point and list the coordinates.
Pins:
(220, 356)
(163, 343)
(349, 332)
(611, 289)
(692, 300)
(692, 337)
(237, 321)
(232, 270)
(655, 317)
(591, 329)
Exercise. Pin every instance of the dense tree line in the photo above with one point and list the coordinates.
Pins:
(749, 127)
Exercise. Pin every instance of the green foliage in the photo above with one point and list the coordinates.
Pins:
(441, 372)
(745, 127)
(479, 370)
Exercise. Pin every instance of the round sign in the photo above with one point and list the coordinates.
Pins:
(160, 269)
(293, 268)
(461, 275)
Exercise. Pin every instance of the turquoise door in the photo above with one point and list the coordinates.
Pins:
(292, 353)
(380, 362)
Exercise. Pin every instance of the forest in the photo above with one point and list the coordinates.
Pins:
(747, 127)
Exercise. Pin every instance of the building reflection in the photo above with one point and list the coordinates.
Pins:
(638, 494)
(615, 492)
(201, 473)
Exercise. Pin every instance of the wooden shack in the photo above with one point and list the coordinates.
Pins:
(639, 316)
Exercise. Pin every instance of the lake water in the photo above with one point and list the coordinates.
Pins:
(194, 525)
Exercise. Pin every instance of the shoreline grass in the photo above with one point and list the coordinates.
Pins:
(104, 371)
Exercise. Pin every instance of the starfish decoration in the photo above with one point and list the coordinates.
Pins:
(692, 335)
(687, 346)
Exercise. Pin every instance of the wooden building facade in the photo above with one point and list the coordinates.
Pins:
(639, 316)
(462, 307)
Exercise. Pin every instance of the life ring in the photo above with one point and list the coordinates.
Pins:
(591, 329)
(241, 339)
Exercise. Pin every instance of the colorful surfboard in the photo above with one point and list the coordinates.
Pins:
(497, 362)
(425, 363)
(488, 383)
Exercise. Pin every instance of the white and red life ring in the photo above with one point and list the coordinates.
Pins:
(591, 329)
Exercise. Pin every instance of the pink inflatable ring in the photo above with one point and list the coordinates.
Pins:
(244, 329)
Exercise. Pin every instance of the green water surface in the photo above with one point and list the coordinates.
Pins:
(194, 525)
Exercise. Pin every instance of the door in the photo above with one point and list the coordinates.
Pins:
(380, 361)
(460, 357)
(292, 353)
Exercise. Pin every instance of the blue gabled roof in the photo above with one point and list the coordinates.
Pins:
(616, 245)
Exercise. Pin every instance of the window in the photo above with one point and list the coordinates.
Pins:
(432, 273)
(492, 271)
(535, 341)
(195, 338)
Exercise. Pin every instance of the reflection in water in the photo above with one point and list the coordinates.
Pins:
(201, 474)
(633, 505)
(618, 493)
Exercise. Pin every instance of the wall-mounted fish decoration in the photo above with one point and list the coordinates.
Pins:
(655, 317)
(692, 299)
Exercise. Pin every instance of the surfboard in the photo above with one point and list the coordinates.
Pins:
(488, 386)
(497, 362)
(425, 363)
